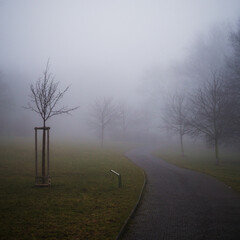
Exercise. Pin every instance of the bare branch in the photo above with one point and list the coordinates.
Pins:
(45, 97)
(175, 116)
(211, 111)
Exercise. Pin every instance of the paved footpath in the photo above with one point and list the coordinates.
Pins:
(182, 204)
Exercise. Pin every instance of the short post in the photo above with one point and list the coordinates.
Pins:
(119, 178)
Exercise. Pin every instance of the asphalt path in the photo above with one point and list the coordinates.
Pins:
(182, 204)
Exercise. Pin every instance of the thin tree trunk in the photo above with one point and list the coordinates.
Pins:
(102, 135)
(124, 134)
(43, 153)
(181, 141)
(216, 151)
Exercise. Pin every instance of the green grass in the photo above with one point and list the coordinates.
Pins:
(83, 202)
(202, 160)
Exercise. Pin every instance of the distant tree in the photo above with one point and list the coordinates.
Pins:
(234, 60)
(123, 118)
(2, 102)
(5, 105)
(211, 112)
(175, 115)
(207, 54)
(103, 113)
(233, 83)
(2, 91)
(44, 99)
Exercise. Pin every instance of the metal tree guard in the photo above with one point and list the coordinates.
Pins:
(41, 181)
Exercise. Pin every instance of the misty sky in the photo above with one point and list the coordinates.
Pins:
(101, 47)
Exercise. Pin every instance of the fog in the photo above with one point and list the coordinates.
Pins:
(130, 51)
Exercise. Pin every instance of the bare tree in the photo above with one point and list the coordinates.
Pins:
(211, 112)
(2, 91)
(103, 113)
(175, 116)
(234, 60)
(5, 105)
(233, 84)
(2, 103)
(44, 99)
(123, 117)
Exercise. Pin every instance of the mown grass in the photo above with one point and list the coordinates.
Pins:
(83, 202)
(203, 160)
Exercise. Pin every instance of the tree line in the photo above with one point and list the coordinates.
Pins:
(210, 108)
(207, 105)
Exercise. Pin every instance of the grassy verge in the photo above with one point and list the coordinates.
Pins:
(83, 202)
(202, 160)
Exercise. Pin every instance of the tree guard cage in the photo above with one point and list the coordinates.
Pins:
(43, 179)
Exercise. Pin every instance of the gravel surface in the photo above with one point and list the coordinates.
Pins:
(182, 204)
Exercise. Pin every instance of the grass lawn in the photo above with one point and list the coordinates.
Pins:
(84, 201)
(202, 160)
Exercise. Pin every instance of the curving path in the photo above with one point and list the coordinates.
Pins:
(182, 204)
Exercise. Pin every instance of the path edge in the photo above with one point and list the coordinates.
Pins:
(126, 222)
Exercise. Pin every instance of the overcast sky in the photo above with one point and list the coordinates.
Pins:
(102, 47)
